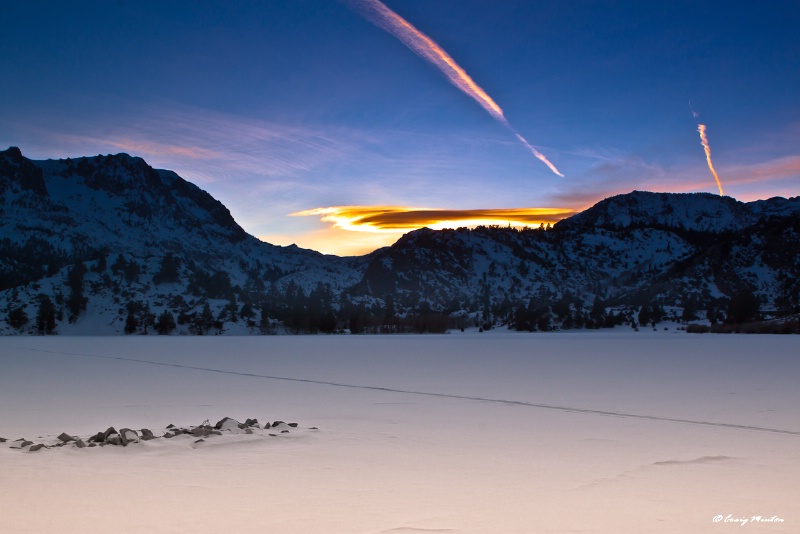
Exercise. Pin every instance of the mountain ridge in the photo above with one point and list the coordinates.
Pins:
(116, 246)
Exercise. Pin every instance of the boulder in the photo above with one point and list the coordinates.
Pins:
(79, 443)
(36, 447)
(21, 443)
(293, 425)
(66, 437)
(3, 440)
(110, 430)
(221, 422)
(147, 434)
(114, 439)
(126, 435)
(232, 425)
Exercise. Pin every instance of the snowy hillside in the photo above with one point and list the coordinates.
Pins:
(136, 241)
(109, 245)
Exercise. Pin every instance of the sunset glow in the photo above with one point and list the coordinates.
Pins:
(403, 219)
(349, 106)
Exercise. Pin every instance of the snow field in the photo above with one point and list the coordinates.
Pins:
(492, 432)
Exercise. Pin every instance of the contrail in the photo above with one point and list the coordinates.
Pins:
(704, 141)
(694, 113)
(425, 47)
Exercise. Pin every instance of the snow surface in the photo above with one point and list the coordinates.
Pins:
(490, 432)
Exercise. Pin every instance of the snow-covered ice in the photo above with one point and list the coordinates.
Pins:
(612, 431)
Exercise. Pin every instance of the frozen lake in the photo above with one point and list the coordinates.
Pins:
(492, 432)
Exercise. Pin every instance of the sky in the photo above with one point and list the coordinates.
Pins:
(340, 125)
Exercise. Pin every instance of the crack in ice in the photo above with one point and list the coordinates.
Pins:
(589, 411)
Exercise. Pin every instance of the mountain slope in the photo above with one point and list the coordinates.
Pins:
(120, 217)
(688, 251)
(109, 245)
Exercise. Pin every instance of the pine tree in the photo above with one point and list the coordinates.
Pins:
(46, 315)
(165, 324)
(17, 318)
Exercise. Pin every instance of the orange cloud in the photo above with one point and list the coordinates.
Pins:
(397, 219)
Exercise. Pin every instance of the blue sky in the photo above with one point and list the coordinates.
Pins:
(284, 106)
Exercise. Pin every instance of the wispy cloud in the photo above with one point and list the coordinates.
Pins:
(214, 146)
(776, 169)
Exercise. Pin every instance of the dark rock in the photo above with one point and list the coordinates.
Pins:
(313, 428)
(201, 431)
(147, 434)
(170, 426)
(26, 443)
(274, 435)
(66, 437)
(276, 423)
(3, 440)
(284, 431)
(114, 439)
(100, 437)
(267, 426)
(36, 447)
(250, 422)
(79, 443)
(126, 435)
(221, 422)
(110, 430)
(248, 430)
(201, 440)
(92, 444)
(293, 425)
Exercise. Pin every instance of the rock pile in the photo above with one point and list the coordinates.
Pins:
(126, 436)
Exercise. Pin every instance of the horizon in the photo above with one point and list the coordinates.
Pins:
(394, 222)
(306, 118)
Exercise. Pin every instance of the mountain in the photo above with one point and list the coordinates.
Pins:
(109, 245)
(669, 254)
(119, 219)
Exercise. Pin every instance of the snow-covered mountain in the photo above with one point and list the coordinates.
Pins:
(690, 254)
(118, 219)
(108, 245)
